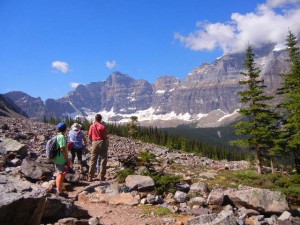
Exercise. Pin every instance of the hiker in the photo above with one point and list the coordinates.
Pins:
(98, 164)
(99, 138)
(61, 160)
(77, 140)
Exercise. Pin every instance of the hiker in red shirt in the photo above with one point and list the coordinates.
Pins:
(99, 138)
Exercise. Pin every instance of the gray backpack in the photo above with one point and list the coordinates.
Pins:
(51, 149)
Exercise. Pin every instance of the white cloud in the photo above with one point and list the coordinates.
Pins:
(110, 64)
(74, 84)
(265, 25)
(61, 66)
(280, 3)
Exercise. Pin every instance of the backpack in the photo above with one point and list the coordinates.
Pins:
(51, 149)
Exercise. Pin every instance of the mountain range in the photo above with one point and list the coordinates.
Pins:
(207, 96)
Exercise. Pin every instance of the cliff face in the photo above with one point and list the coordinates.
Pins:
(9, 109)
(208, 89)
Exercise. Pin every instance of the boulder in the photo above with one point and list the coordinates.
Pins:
(9, 145)
(197, 201)
(216, 197)
(223, 218)
(261, 200)
(200, 188)
(21, 202)
(180, 196)
(139, 183)
(202, 219)
(58, 208)
(34, 170)
(182, 186)
(124, 199)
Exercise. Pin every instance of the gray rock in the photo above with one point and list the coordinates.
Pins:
(285, 216)
(200, 188)
(21, 202)
(247, 212)
(140, 183)
(151, 199)
(180, 196)
(34, 170)
(202, 219)
(216, 197)
(183, 186)
(223, 218)
(197, 201)
(58, 208)
(261, 200)
(159, 199)
(14, 162)
(199, 211)
(9, 145)
(94, 221)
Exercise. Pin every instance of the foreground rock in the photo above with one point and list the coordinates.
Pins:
(261, 200)
(58, 208)
(21, 202)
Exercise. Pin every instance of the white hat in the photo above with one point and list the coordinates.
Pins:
(76, 126)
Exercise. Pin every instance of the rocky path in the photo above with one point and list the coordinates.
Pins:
(121, 214)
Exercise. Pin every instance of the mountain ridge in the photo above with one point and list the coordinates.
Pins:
(206, 96)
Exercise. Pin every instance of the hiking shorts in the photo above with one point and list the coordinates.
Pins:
(61, 168)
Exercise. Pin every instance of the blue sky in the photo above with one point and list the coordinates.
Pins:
(47, 47)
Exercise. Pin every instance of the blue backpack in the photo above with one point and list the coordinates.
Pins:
(51, 149)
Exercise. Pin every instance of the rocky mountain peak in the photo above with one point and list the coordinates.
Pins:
(117, 78)
(166, 83)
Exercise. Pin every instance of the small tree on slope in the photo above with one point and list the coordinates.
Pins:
(259, 126)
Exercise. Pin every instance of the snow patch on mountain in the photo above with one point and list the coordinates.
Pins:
(160, 92)
(228, 115)
(143, 115)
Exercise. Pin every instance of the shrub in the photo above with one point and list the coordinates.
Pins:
(162, 211)
(145, 158)
(122, 174)
(165, 182)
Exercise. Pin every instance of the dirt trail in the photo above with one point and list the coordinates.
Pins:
(119, 214)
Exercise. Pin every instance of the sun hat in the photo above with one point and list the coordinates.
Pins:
(61, 126)
(76, 126)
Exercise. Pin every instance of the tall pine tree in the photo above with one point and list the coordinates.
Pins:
(291, 104)
(258, 127)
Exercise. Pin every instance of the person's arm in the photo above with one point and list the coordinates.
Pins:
(65, 153)
(90, 133)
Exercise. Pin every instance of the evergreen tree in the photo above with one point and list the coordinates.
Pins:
(132, 127)
(259, 127)
(290, 136)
